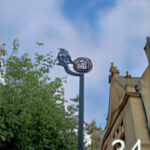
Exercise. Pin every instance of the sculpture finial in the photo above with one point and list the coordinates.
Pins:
(113, 70)
(128, 75)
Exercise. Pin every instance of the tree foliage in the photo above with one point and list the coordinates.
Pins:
(32, 105)
(95, 133)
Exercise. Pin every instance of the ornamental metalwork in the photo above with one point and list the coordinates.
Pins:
(64, 57)
(82, 65)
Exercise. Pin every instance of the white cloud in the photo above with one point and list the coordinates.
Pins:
(123, 26)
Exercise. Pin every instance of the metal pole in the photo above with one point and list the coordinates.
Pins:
(81, 114)
(81, 65)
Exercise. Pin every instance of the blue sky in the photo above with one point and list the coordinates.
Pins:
(103, 30)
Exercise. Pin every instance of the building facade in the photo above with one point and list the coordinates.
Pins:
(129, 109)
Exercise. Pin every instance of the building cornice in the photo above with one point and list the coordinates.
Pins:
(122, 106)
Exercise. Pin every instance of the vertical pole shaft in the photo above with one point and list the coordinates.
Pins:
(81, 115)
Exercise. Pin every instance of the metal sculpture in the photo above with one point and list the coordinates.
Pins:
(64, 57)
(81, 65)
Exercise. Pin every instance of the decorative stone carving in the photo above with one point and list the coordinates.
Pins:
(113, 70)
(128, 75)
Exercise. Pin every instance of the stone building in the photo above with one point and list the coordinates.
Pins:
(129, 109)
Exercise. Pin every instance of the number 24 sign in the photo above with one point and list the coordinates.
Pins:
(122, 143)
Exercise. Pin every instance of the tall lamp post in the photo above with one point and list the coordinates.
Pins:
(81, 66)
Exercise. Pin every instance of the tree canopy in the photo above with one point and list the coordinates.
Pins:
(32, 105)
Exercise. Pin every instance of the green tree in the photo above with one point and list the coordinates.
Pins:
(32, 106)
(95, 132)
